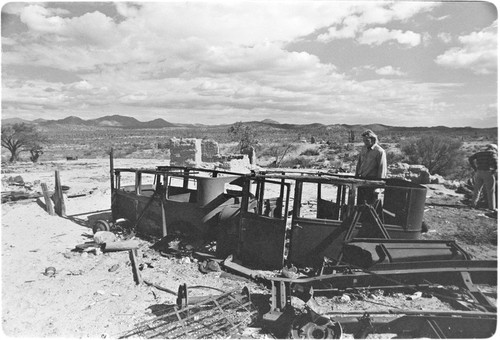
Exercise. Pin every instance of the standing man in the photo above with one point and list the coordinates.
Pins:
(485, 165)
(372, 164)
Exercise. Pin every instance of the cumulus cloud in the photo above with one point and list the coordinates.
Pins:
(442, 17)
(334, 33)
(445, 37)
(40, 19)
(404, 10)
(360, 17)
(13, 8)
(238, 22)
(349, 28)
(380, 35)
(152, 32)
(478, 52)
(389, 71)
(90, 28)
(80, 86)
(53, 96)
(127, 10)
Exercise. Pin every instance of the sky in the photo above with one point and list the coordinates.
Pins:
(404, 63)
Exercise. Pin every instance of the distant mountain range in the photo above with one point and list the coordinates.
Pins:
(107, 121)
(118, 121)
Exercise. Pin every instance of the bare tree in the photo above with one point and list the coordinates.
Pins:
(22, 137)
(245, 135)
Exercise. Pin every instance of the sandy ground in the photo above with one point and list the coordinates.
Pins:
(85, 298)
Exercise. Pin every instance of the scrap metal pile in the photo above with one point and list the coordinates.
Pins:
(341, 242)
(199, 317)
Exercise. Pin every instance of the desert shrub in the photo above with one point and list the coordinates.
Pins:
(437, 153)
(350, 157)
(483, 234)
(394, 157)
(310, 152)
(462, 171)
(331, 155)
(277, 151)
(300, 161)
(231, 148)
(123, 152)
(349, 147)
(36, 151)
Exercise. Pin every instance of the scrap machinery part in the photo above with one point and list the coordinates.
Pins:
(366, 252)
(399, 274)
(465, 273)
(431, 324)
(101, 225)
(418, 323)
(366, 326)
(312, 325)
(184, 299)
(402, 274)
(210, 317)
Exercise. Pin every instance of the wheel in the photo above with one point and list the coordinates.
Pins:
(124, 226)
(100, 225)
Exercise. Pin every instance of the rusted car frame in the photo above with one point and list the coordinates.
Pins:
(310, 236)
(253, 217)
(173, 200)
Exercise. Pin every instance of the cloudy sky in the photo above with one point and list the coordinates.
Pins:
(395, 63)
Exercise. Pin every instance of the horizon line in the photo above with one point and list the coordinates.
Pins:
(251, 121)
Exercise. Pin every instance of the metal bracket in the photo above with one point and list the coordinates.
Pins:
(481, 301)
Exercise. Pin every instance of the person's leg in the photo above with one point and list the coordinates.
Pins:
(489, 186)
(366, 194)
(478, 185)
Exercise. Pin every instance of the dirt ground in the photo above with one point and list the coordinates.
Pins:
(94, 294)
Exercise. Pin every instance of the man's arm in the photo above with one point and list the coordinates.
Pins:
(472, 161)
(382, 166)
(494, 160)
(358, 165)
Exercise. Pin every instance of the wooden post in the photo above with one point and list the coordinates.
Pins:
(135, 267)
(163, 218)
(163, 198)
(48, 201)
(60, 207)
(112, 178)
(111, 168)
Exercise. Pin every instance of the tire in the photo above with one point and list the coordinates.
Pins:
(100, 225)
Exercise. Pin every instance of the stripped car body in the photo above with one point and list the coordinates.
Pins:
(254, 217)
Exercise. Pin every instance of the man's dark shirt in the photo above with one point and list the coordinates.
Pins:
(484, 160)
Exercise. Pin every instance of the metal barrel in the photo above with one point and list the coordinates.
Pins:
(404, 204)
